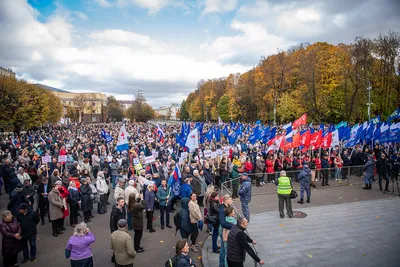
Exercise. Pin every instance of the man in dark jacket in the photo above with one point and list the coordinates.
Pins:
(186, 228)
(28, 219)
(305, 180)
(16, 198)
(325, 172)
(224, 224)
(382, 169)
(137, 222)
(238, 245)
(117, 213)
(369, 172)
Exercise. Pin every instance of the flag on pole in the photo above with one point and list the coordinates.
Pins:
(192, 141)
(122, 143)
(161, 134)
(220, 122)
(276, 144)
(175, 176)
(106, 136)
(335, 138)
(394, 115)
(300, 121)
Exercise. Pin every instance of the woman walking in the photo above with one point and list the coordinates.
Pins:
(78, 247)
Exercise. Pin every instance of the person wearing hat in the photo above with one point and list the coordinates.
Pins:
(28, 219)
(102, 190)
(305, 183)
(120, 188)
(122, 245)
(16, 198)
(86, 201)
(369, 172)
(56, 208)
(245, 195)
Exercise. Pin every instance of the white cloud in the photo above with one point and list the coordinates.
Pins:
(219, 6)
(81, 15)
(152, 5)
(103, 3)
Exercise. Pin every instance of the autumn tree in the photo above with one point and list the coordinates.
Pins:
(140, 111)
(223, 108)
(183, 115)
(115, 112)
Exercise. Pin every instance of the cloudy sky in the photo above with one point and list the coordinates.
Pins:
(164, 47)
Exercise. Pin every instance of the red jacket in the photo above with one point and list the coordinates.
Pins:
(78, 184)
(317, 163)
(64, 194)
(248, 167)
(270, 165)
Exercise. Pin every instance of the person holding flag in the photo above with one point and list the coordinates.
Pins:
(122, 143)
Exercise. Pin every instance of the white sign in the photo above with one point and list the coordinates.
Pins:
(150, 140)
(62, 158)
(136, 161)
(181, 160)
(213, 155)
(149, 159)
(155, 154)
(46, 159)
(184, 155)
(219, 152)
(192, 141)
(207, 153)
(196, 158)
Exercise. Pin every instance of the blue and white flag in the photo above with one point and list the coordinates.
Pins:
(122, 143)
(394, 115)
(106, 136)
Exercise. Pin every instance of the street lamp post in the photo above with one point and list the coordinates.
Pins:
(369, 88)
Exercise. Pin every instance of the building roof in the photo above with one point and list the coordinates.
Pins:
(51, 88)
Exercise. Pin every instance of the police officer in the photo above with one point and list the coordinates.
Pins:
(305, 179)
(284, 189)
(245, 195)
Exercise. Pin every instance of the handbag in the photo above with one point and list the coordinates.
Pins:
(211, 219)
(293, 194)
(67, 253)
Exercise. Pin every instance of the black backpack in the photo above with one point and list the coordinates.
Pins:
(172, 262)
(177, 222)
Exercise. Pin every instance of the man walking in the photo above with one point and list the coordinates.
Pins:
(245, 195)
(238, 245)
(305, 179)
(122, 245)
(284, 189)
(28, 219)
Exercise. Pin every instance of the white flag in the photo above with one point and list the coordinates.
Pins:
(220, 122)
(192, 141)
(335, 138)
(123, 139)
(276, 145)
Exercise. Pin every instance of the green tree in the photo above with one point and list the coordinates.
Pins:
(115, 112)
(223, 108)
(140, 112)
(184, 114)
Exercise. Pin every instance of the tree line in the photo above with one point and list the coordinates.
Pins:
(24, 106)
(139, 111)
(328, 82)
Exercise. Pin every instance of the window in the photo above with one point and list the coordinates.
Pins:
(93, 104)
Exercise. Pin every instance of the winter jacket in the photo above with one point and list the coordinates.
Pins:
(149, 198)
(324, 164)
(162, 195)
(184, 217)
(64, 194)
(114, 168)
(260, 165)
(16, 198)
(235, 172)
(101, 185)
(116, 215)
(214, 207)
(222, 218)
(119, 192)
(56, 205)
(128, 191)
(194, 212)
(245, 191)
(208, 176)
(9, 244)
(196, 185)
(73, 197)
(305, 175)
(28, 223)
(369, 167)
(122, 245)
(382, 166)
(184, 261)
(203, 186)
(86, 202)
(186, 191)
(137, 215)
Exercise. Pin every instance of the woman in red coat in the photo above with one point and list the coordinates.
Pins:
(269, 164)
(317, 166)
(64, 194)
(248, 166)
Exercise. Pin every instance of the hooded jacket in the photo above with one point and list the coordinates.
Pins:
(305, 174)
(245, 191)
(186, 227)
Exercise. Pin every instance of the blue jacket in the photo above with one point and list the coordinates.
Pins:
(222, 218)
(184, 261)
(305, 175)
(184, 218)
(186, 191)
(245, 191)
(162, 195)
(149, 197)
(73, 197)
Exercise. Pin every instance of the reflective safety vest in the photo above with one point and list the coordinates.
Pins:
(284, 187)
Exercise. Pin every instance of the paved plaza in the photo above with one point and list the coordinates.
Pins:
(361, 234)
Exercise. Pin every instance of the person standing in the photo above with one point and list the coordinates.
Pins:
(73, 201)
(56, 207)
(86, 201)
(195, 217)
(16, 198)
(164, 195)
(225, 225)
(382, 167)
(117, 213)
(305, 179)
(11, 241)
(102, 190)
(245, 195)
(325, 170)
(79, 248)
(122, 245)
(369, 172)
(43, 192)
(128, 191)
(238, 245)
(150, 199)
(186, 189)
(137, 207)
(182, 254)
(214, 207)
(28, 219)
(260, 165)
(119, 190)
(284, 189)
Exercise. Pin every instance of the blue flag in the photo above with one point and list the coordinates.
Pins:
(394, 115)
(106, 136)
(218, 134)
(232, 138)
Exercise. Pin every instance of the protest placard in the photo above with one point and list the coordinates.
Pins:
(149, 159)
(136, 161)
(62, 159)
(46, 159)
(213, 155)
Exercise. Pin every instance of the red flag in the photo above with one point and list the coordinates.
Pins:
(326, 141)
(316, 139)
(296, 140)
(300, 121)
(305, 139)
(287, 146)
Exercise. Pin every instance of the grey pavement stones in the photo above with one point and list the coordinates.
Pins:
(355, 234)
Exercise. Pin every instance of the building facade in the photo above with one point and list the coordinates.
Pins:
(7, 72)
(168, 112)
(125, 103)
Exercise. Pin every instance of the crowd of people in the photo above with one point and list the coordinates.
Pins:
(56, 172)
